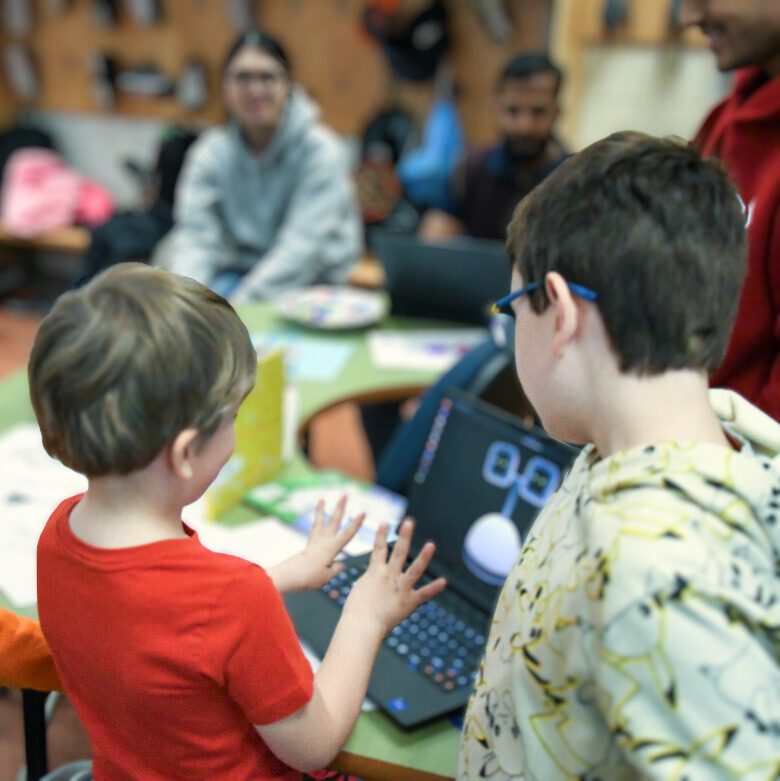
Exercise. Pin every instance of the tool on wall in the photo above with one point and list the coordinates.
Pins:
(144, 12)
(615, 13)
(675, 10)
(104, 12)
(413, 47)
(17, 17)
(20, 71)
(146, 81)
(241, 14)
(192, 87)
(102, 70)
(496, 19)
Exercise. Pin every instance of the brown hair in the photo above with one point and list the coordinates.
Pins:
(656, 231)
(122, 365)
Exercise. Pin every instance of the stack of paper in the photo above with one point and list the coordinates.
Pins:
(424, 350)
(32, 484)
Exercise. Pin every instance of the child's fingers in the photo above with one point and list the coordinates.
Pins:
(335, 517)
(420, 564)
(379, 551)
(346, 534)
(401, 547)
(336, 568)
(430, 590)
(319, 517)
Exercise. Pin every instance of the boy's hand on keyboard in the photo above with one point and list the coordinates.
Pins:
(316, 565)
(386, 593)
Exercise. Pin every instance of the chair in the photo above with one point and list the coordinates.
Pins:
(37, 708)
(34, 715)
(476, 373)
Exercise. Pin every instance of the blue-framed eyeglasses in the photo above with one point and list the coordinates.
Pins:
(504, 305)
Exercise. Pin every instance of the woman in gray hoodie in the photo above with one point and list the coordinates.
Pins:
(265, 203)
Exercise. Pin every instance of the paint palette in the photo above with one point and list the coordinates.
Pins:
(331, 307)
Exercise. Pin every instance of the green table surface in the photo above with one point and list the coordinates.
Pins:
(432, 748)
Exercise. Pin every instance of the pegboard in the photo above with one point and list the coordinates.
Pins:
(343, 69)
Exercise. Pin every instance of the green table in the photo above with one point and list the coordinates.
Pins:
(377, 748)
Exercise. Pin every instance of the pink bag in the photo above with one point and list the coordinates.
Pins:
(96, 205)
(41, 193)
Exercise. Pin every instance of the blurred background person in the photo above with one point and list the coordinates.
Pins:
(265, 203)
(744, 132)
(490, 181)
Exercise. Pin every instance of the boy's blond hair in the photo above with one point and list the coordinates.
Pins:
(122, 365)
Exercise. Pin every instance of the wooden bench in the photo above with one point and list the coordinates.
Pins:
(74, 240)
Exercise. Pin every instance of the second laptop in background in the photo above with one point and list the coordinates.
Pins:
(456, 280)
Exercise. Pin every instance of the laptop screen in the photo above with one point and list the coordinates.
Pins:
(454, 280)
(482, 478)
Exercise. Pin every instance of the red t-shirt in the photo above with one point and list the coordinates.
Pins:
(744, 133)
(169, 653)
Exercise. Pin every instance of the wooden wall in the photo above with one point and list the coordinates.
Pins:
(578, 24)
(340, 65)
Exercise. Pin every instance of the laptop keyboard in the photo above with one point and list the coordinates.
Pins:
(443, 640)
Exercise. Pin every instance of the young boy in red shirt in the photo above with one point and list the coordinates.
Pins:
(182, 663)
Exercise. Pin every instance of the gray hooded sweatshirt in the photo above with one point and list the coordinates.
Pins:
(287, 217)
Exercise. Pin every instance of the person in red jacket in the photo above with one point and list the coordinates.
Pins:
(25, 658)
(744, 133)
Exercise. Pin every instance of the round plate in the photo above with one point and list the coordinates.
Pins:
(331, 307)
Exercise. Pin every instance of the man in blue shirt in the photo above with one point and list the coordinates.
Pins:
(489, 182)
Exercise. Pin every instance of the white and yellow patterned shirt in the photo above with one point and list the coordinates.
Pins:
(638, 635)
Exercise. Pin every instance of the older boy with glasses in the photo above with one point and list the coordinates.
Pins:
(638, 635)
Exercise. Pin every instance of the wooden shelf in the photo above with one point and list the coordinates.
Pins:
(74, 240)
(343, 69)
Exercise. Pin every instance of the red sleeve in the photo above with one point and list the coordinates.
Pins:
(769, 398)
(265, 670)
(25, 659)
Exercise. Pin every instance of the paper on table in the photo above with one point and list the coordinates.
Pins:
(312, 358)
(32, 484)
(295, 500)
(266, 541)
(427, 350)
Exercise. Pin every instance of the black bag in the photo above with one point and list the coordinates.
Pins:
(134, 235)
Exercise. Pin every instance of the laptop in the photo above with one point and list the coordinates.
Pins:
(455, 280)
(481, 480)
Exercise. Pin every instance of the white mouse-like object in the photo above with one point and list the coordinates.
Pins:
(491, 548)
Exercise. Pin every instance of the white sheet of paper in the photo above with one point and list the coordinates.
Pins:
(32, 484)
(424, 350)
(266, 541)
